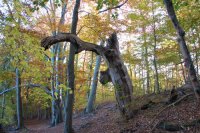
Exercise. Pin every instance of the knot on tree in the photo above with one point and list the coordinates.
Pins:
(105, 77)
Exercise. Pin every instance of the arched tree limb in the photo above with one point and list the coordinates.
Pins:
(68, 37)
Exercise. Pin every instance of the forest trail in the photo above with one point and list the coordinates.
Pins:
(106, 118)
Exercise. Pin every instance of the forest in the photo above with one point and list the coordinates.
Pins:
(99, 66)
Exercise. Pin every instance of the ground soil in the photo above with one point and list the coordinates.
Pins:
(106, 118)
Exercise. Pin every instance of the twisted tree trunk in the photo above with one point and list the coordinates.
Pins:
(118, 74)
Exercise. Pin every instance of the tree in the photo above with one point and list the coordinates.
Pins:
(92, 95)
(183, 47)
(20, 121)
(157, 88)
(68, 109)
(116, 72)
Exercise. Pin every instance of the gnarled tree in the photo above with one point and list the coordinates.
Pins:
(117, 72)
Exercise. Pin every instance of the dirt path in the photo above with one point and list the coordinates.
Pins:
(103, 120)
(106, 119)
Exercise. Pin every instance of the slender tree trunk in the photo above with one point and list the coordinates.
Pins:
(68, 109)
(92, 95)
(157, 87)
(58, 107)
(90, 75)
(183, 70)
(131, 73)
(196, 56)
(27, 103)
(56, 51)
(53, 103)
(20, 122)
(147, 71)
(146, 60)
(183, 47)
(143, 82)
(3, 105)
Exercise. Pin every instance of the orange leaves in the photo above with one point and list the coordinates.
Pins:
(95, 27)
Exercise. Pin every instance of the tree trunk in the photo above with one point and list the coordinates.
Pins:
(157, 87)
(3, 105)
(92, 95)
(118, 74)
(20, 122)
(146, 60)
(183, 70)
(56, 50)
(183, 47)
(90, 75)
(53, 103)
(68, 109)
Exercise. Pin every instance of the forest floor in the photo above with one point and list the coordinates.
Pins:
(185, 115)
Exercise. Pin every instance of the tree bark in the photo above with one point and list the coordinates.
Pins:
(92, 95)
(90, 76)
(119, 76)
(183, 47)
(20, 122)
(56, 107)
(68, 109)
(53, 106)
(3, 106)
(146, 62)
(157, 87)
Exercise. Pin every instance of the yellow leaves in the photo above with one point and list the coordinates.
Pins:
(142, 4)
(6, 75)
(168, 53)
(94, 27)
(65, 88)
(62, 86)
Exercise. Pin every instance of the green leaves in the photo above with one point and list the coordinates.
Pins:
(179, 3)
(108, 3)
(65, 88)
(42, 3)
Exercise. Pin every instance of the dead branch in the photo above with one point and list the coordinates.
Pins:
(173, 104)
(80, 45)
(115, 7)
(47, 90)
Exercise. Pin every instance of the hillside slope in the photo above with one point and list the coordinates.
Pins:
(152, 114)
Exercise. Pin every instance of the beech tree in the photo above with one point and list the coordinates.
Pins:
(183, 47)
(68, 108)
(92, 95)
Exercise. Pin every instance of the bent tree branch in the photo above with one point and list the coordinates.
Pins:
(115, 7)
(117, 71)
(45, 88)
(80, 45)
